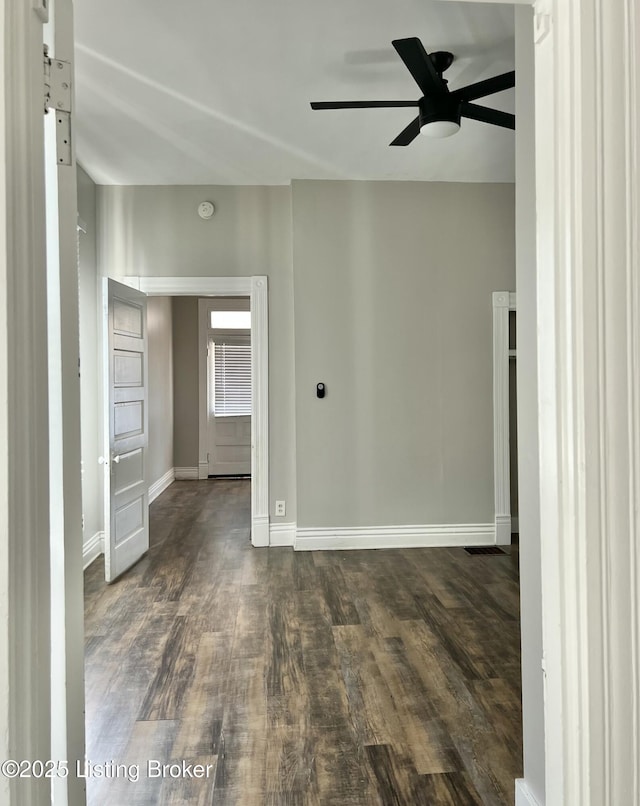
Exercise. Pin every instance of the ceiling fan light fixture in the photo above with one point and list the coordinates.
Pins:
(439, 116)
(440, 128)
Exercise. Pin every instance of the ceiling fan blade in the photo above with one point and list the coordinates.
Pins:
(408, 134)
(419, 64)
(486, 115)
(359, 104)
(487, 87)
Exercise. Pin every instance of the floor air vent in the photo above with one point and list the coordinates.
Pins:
(484, 550)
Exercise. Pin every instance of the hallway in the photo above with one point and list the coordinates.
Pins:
(303, 679)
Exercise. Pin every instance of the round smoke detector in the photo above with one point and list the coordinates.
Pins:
(206, 209)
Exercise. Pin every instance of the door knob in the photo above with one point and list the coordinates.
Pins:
(115, 459)
(102, 460)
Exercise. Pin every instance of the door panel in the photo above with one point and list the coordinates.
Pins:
(127, 527)
(127, 369)
(229, 446)
(128, 419)
(128, 470)
(127, 319)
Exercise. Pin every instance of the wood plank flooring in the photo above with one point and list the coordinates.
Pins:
(368, 678)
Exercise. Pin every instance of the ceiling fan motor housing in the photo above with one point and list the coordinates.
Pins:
(437, 108)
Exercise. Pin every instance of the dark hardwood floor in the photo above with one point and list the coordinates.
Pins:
(355, 678)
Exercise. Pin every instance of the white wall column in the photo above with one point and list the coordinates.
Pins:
(588, 185)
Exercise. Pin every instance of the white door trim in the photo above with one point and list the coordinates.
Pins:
(67, 583)
(588, 256)
(25, 613)
(503, 303)
(256, 288)
(524, 796)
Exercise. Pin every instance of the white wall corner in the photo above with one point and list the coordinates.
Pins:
(524, 796)
(186, 473)
(159, 486)
(92, 549)
(503, 530)
(260, 531)
(282, 534)
(448, 535)
(203, 470)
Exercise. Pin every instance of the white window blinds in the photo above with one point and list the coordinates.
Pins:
(229, 378)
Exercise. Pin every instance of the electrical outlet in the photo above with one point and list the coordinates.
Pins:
(281, 509)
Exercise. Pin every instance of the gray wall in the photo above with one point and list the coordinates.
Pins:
(393, 312)
(160, 387)
(156, 231)
(90, 378)
(185, 381)
(528, 459)
(381, 270)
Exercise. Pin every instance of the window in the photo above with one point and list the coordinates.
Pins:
(229, 377)
(230, 320)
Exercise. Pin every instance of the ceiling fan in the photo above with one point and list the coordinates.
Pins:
(439, 109)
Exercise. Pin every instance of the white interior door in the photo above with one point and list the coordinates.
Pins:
(229, 402)
(126, 487)
(229, 446)
(229, 434)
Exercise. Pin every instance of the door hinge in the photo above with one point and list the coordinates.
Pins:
(57, 96)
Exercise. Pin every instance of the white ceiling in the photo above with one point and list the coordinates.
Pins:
(218, 91)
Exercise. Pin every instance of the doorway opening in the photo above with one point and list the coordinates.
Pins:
(228, 386)
(253, 290)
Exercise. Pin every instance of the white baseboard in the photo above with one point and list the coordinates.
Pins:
(161, 484)
(203, 470)
(186, 473)
(503, 530)
(396, 537)
(282, 534)
(524, 796)
(260, 530)
(93, 548)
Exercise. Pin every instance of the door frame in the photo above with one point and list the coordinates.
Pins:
(25, 602)
(503, 303)
(204, 426)
(256, 288)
